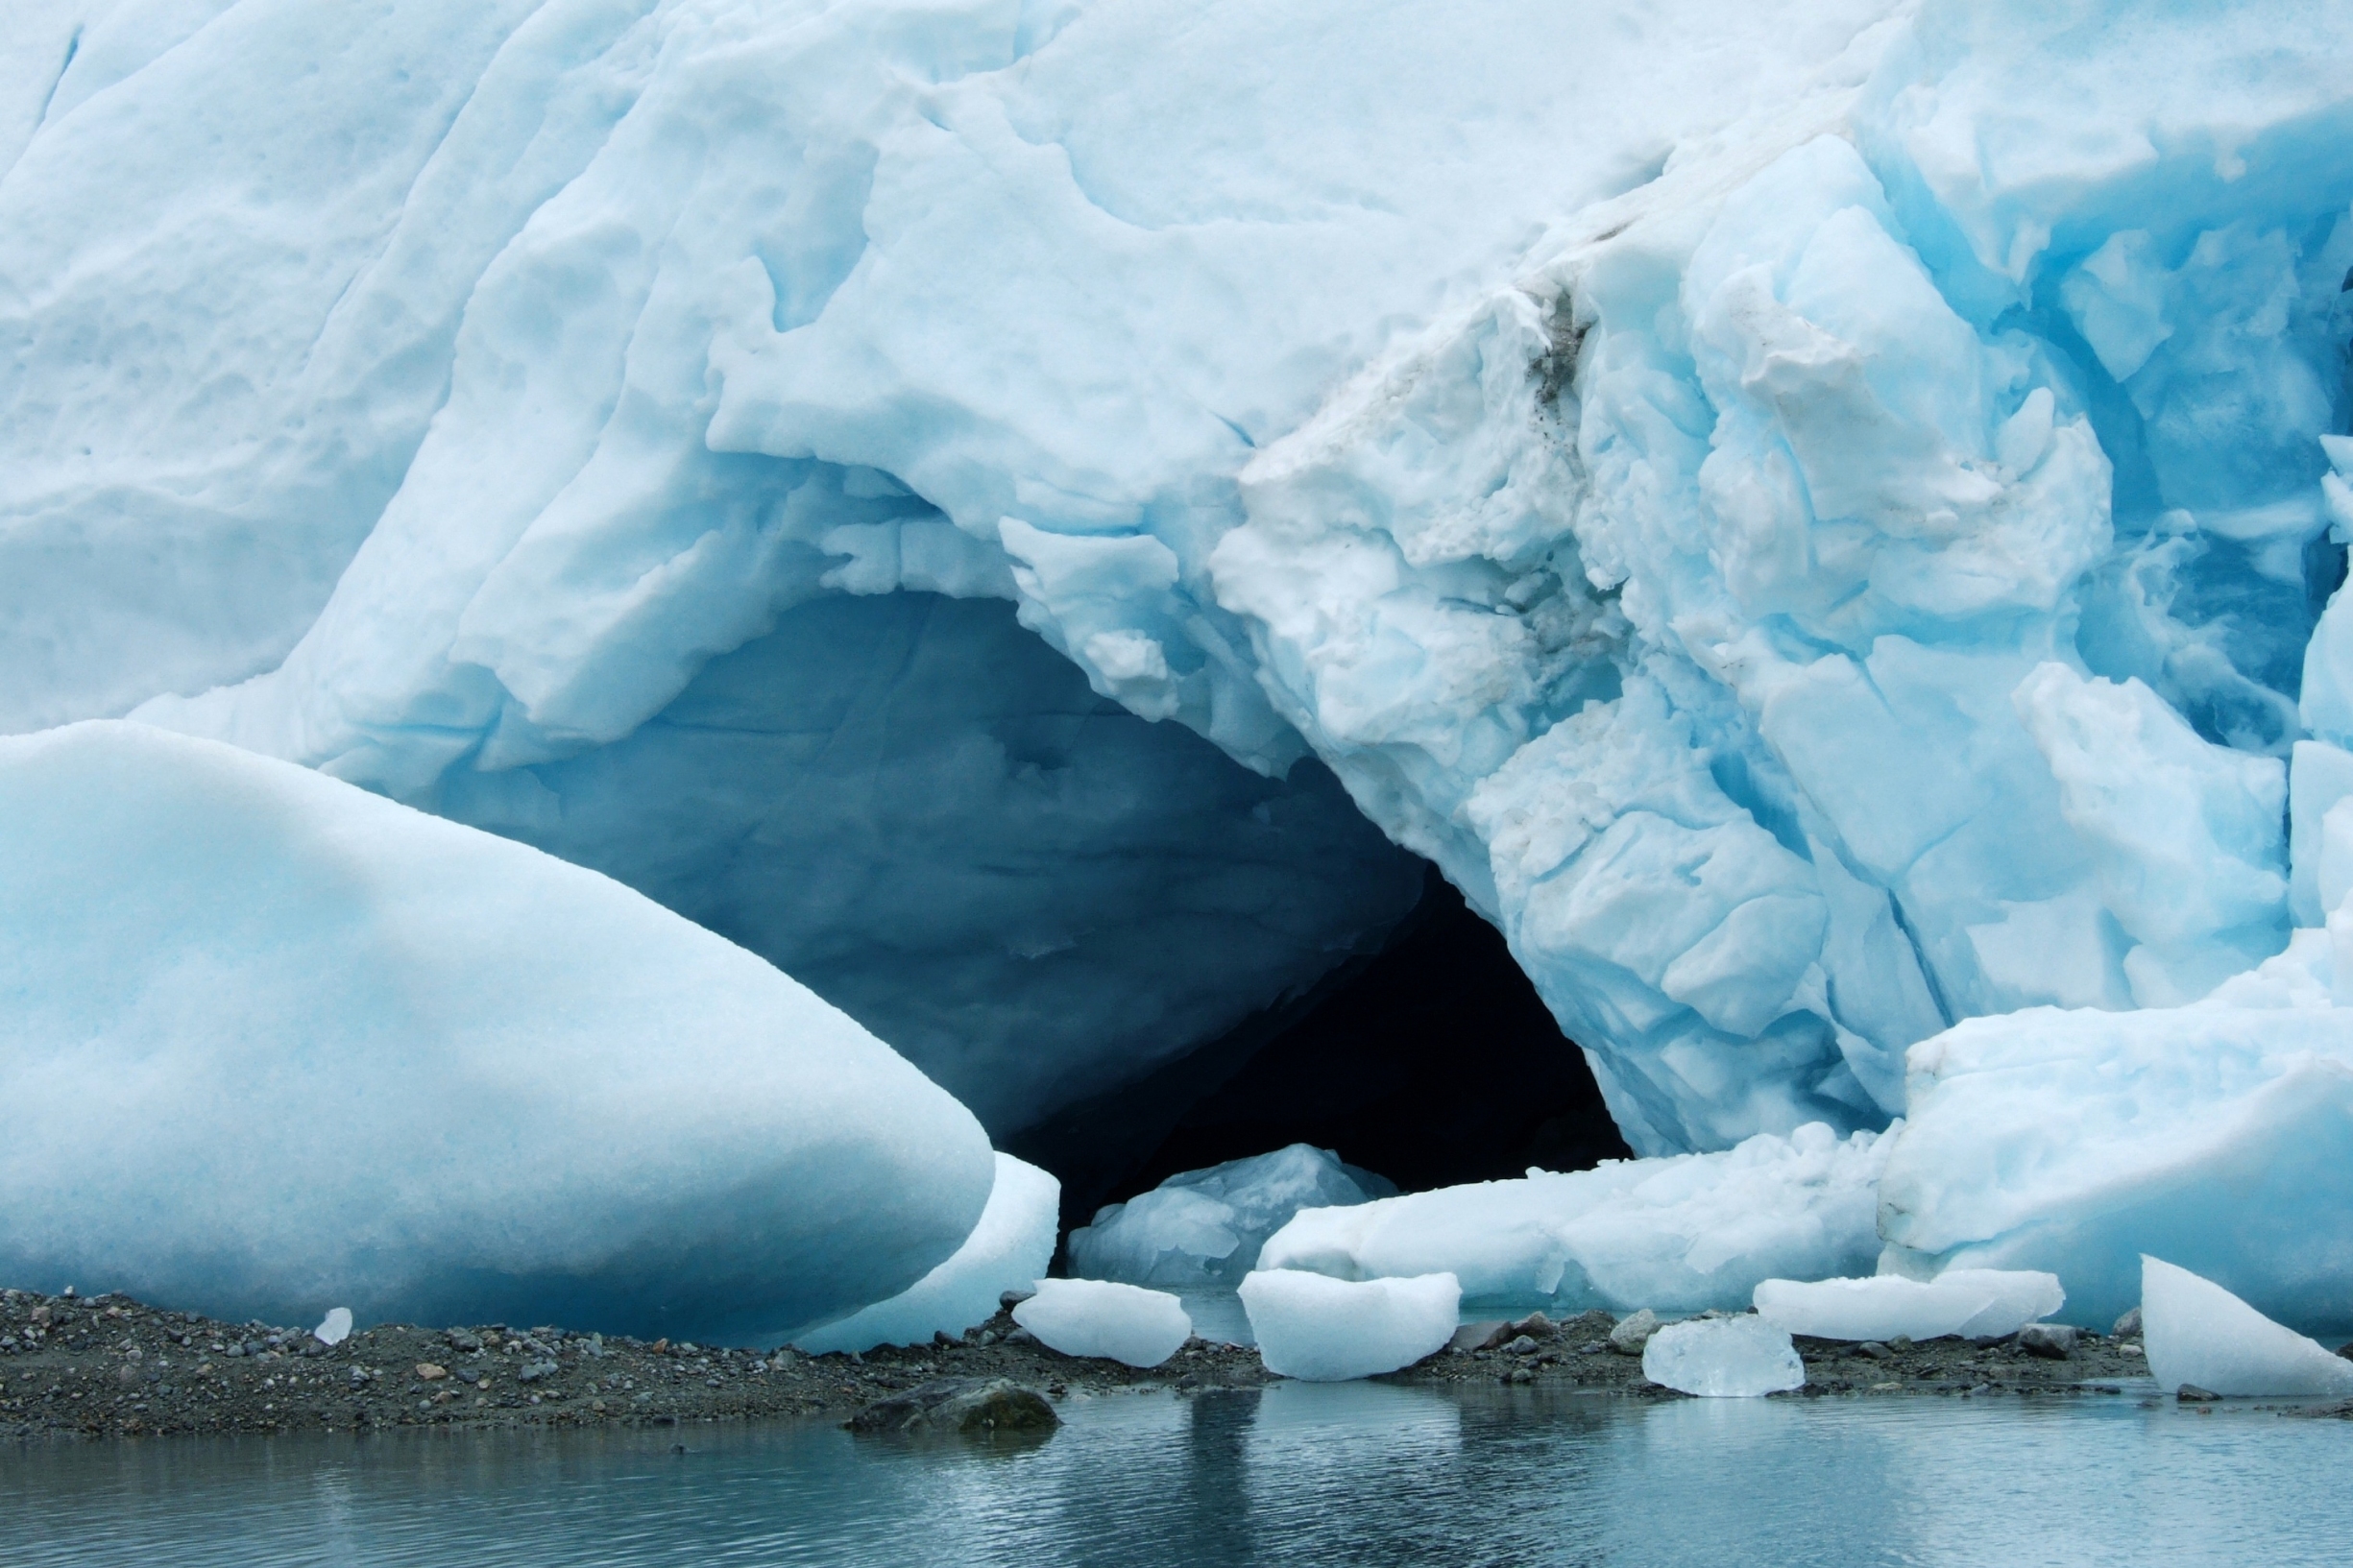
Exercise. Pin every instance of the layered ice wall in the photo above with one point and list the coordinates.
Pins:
(1811, 513)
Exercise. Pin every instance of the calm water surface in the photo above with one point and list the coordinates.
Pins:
(1326, 1475)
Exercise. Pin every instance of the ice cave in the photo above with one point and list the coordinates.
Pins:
(795, 669)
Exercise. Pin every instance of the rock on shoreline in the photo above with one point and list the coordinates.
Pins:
(109, 1366)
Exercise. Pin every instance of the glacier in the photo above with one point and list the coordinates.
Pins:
(1826, 521)
(1205, 1227)
(275, 1044)
(1010, 1246)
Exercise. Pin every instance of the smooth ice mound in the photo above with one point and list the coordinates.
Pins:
(1325, 1330)
(1206, 1226)
(1680, 1234)
(1101, 1317)
(2198, 1334)
(1007, 1250)
(272, 1041)
(1969, 1302)
(2074, 1142)
(1741, 1356)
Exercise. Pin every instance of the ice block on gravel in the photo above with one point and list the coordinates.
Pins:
(2198, 1334)
(1010, 1246)
(1325, 1330)
(1100, 1317)
(1724, 1358)
(1969, 1302)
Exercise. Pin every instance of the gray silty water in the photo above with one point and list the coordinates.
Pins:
(1356, 1473)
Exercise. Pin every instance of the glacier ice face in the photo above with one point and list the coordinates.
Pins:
(1815, 515)
(1741, 1356)
(920, 811)
(274, 1042)
(1204, 1227)
(1101, 1317)
(1678, 1233)
(1007, 1250)
(2197, 1333)
(2073, 1142)
(1969, 1302)
(1325, 1330)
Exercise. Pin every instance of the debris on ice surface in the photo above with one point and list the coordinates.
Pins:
(1103, 1317)
(2197, 1333)
(1325, 1330)
(335, 1327)
(1969, 1302)
(271, 1039)
(2074, 1142)
(1206, 1226)
(1682, 1233)
(1740, 1357)
(1007, 1250)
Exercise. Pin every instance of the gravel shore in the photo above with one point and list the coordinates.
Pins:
(112, 1367)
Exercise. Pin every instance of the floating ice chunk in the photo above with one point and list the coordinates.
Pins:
(1681, 1233)
(1325, 1330)
(2074, 1142)
(336, 1328)
(1969, 1302)
(1724, 1358)
(1102, 1317)
(1207, 1225)
(1012, 1246)
(2197, 1333)
(512, 1089)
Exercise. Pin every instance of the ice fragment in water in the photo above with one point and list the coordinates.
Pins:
(1010, 1246)
(336, 1328)
(1724, 1358)
(2198, 1334)
(1102, 1317)
(1969, 1302)
(1325, 1330)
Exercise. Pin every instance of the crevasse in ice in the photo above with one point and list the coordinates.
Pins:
(1823, 536)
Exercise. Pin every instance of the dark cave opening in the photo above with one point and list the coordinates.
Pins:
(1431, 1061)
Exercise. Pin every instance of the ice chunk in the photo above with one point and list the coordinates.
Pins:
(1007, 1250)
(2199, 1334)
(1740, 1357)
(1102, 1317)
(1326, 1330)
(1205, 1226)
(335, 1327)
(1681, 1233)
(1969, 1302)
(2074, 1142)
(271, 1039)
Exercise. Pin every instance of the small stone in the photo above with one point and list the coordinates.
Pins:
(1008, 1300)
(1522, 1347)
(2190, 1393)
(1021, 1336)
(431, 1372)
(2127, 1325)
(1874, 1351)
(943, 1339)
(2052, 1341)
(1534, 1326)
(987, 1336)
(1630, 1336)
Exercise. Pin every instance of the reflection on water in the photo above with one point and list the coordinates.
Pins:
(1353, 1472)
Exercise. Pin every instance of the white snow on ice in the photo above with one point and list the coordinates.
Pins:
(1969, 1302)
